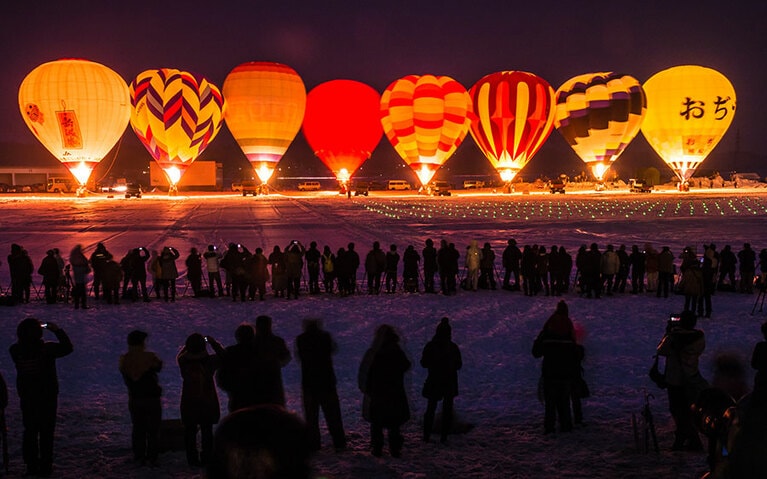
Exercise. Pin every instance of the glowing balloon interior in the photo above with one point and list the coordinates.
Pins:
(265, 104)
(425, 118)
(513, 117)
(599, 114)
(175, 115)
(78, 109)
(342, 125)
(689, 109)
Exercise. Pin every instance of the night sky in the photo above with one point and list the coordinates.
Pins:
(377, 42)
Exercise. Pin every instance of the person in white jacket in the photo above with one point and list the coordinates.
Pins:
(473, 260)
(609, 266)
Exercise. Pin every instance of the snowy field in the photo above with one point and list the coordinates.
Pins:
(494, 329)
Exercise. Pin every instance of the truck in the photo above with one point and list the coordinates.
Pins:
(639, 186)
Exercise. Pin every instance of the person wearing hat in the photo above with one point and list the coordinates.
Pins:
(49, 270)
(561, 364)
(139, 369)
(38, 387)
(442, 357)
(682, 346)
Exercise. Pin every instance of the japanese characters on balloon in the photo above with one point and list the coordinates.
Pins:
(689, 109)
(176, 115)
(513, 117)
(425, 118)
(342, 126)
(265, 104)
(77, 109)
(599, 114)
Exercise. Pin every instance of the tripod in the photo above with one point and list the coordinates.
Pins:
(759, 299)
(647, 425)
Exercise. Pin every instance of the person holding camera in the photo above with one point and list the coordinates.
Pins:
(682, 346)
(38, 387)
(168, 272)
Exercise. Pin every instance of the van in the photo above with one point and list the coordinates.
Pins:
(398, 185)
(473, 184)
(249, 187)
(60, 185)
(309, 186)
(439, 188)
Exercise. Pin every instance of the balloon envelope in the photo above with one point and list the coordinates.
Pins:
(342, 124)
(78, 109)
(689, 109)
(513, 117)
(599, 114)
(425, 118)
(265, 105)
(176, 115)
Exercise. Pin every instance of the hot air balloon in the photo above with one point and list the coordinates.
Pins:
(342, 125)
(513, 117)
(689, 109)
(425, 118)
(176, 115)
(599, 114)
(265, 105)
(78, 109)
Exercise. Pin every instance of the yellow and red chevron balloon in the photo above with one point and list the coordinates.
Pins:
(176, 115)
(425, 118)
(265, 105)
(599, 114)
(689, 109)
(513, 117)
(78, 109)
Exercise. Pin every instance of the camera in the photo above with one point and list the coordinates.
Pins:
(674, 318)
(294, 242)
(44, 325)
(206, 339)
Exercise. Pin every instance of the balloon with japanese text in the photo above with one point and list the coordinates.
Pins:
(425, 118)
(176, 114)
(599, 114)
(265, 104)
(78, 109)
(342, 125)
(689, 109)
(513, 117)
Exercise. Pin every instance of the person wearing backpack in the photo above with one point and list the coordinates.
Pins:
(328, 269)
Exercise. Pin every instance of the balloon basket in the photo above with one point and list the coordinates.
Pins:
(81, 192)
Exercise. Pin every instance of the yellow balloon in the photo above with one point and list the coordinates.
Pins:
(78, 109)
(689, 109)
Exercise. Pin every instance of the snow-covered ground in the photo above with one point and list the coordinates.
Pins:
(494, 329)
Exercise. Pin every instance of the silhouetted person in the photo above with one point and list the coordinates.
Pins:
(381, 379)
(199, 398)
(313, 256)
(352, 260)
(511, 258)
(442, 358)
(139, 369)
(410, 260)
(80, 270)
(315, 349)
(21, 268)
(556, 344)
(111, 278)
(294, 267)
(260, 442)
(279, 275)
(392, 262)
(328, 268)
(168, 272)
(375, 264)
(138, 259)
(194, 271)
(271, 356)
(430, 266)
(38, 387)
(238, 370)
(49, 270)
(212, 258)
(99, 256)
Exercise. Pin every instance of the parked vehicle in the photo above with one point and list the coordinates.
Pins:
(133, 189)
(473, 184)
(309, 186)
(60, 185)
(557, 186)
(361, 188)
(439, 188)
(250, 187)
(237, 186)
(398, 185)
(639, 186)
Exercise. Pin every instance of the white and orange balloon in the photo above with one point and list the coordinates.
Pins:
(425, 118)
(265, 105)
(689, 109)
(176, 115)
(78, 109)
(513, 117)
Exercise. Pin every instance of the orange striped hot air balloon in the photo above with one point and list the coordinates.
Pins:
(176, 115)
(78, 109)
(425, 118)
(342, 125)
(265, 104)
(514, 115)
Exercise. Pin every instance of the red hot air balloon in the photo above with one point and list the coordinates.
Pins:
(342, 125)
(514, 115)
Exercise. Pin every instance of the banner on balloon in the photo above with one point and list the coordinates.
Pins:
(71, 138)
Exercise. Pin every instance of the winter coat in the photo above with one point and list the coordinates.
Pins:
(610, 263)
(271, 356)
(315, 351)
(139, 369)
(294, 262)
(473, 256)
(98, 258)
(199, 398)
(442, 358)
(747, 258)
(36, 376)
(410, 259)
(49, 270)
(328, 263)
(392, 261)
(80, 267)
(692, 278)
(511, 257)
(381, 378)
(375, 261)
(313, 256)
(429, 254)
(168, 259)
(556, 344)
(193, 267)
(665, 262)
(682, 349)
(488, 259)
(212, 259)
(111, 274)
(20, 266)
(652, 261)
(237, 375)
